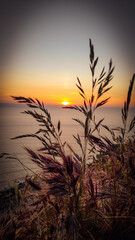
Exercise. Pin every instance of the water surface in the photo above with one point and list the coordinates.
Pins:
(13, 123)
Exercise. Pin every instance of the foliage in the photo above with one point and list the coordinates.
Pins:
(74, 198)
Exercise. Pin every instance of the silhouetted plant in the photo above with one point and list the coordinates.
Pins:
(92, 102)
(76, 198)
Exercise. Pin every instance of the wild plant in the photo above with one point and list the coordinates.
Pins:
(117, 161)
(66, 176)
(86, 196)
(99, 86)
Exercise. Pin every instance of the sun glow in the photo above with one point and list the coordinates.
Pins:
(65, 103)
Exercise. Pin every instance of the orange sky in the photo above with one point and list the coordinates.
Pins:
(47, 47)
(55, 89)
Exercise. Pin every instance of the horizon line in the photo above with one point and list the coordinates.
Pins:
(61, 105)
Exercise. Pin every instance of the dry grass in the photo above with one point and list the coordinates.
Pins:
(72, 199)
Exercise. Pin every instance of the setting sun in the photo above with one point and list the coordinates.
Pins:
(65, 103)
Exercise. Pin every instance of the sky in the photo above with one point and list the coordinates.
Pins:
(45, 47)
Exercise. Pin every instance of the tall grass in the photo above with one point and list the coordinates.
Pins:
(75, 198)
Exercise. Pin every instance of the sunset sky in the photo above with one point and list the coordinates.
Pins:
(45, 46)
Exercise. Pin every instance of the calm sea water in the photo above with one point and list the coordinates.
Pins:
(13, 123)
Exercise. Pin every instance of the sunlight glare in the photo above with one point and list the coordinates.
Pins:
(65, 103)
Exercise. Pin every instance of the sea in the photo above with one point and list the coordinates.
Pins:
(13, 122)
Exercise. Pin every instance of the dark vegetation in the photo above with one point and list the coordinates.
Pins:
(74, 198)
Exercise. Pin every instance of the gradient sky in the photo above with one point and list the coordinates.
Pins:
(45, 46)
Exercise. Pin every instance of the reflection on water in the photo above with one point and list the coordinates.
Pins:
(13, 123)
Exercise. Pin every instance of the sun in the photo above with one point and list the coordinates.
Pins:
(65, 103)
